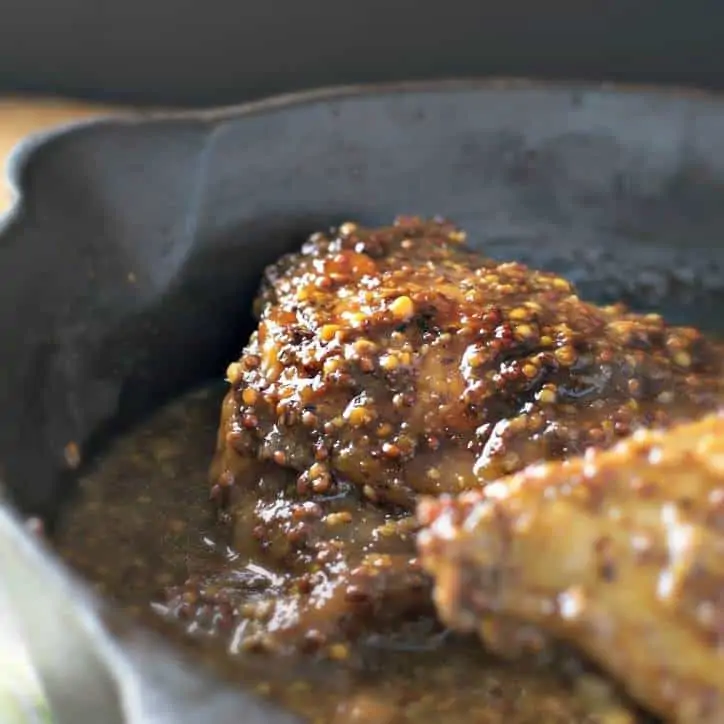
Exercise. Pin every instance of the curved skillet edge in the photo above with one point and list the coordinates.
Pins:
(23, 152)
(128, 670)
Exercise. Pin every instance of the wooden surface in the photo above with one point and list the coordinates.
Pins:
(18, 118)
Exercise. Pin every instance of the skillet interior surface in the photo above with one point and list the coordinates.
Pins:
(131, 259)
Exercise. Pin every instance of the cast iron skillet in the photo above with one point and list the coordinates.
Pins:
(129, 262)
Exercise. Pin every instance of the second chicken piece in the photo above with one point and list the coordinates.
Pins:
(619, 552)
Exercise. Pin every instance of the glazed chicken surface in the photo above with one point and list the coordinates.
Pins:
(393, 362)
(382, 353)
(620, 552)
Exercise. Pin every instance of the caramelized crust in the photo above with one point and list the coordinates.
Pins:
(400, 361)
(620, 552)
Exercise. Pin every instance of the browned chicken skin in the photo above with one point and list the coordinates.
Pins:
(395, 361)
(620, 552)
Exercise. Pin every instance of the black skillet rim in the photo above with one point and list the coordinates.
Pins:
(23, 152)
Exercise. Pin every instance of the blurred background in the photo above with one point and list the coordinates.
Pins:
(189, 52)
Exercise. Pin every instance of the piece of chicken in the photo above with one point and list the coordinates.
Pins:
(399, 360)
(395, 361)
(619, 552)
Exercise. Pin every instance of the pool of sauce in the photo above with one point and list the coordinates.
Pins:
(143, 526)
